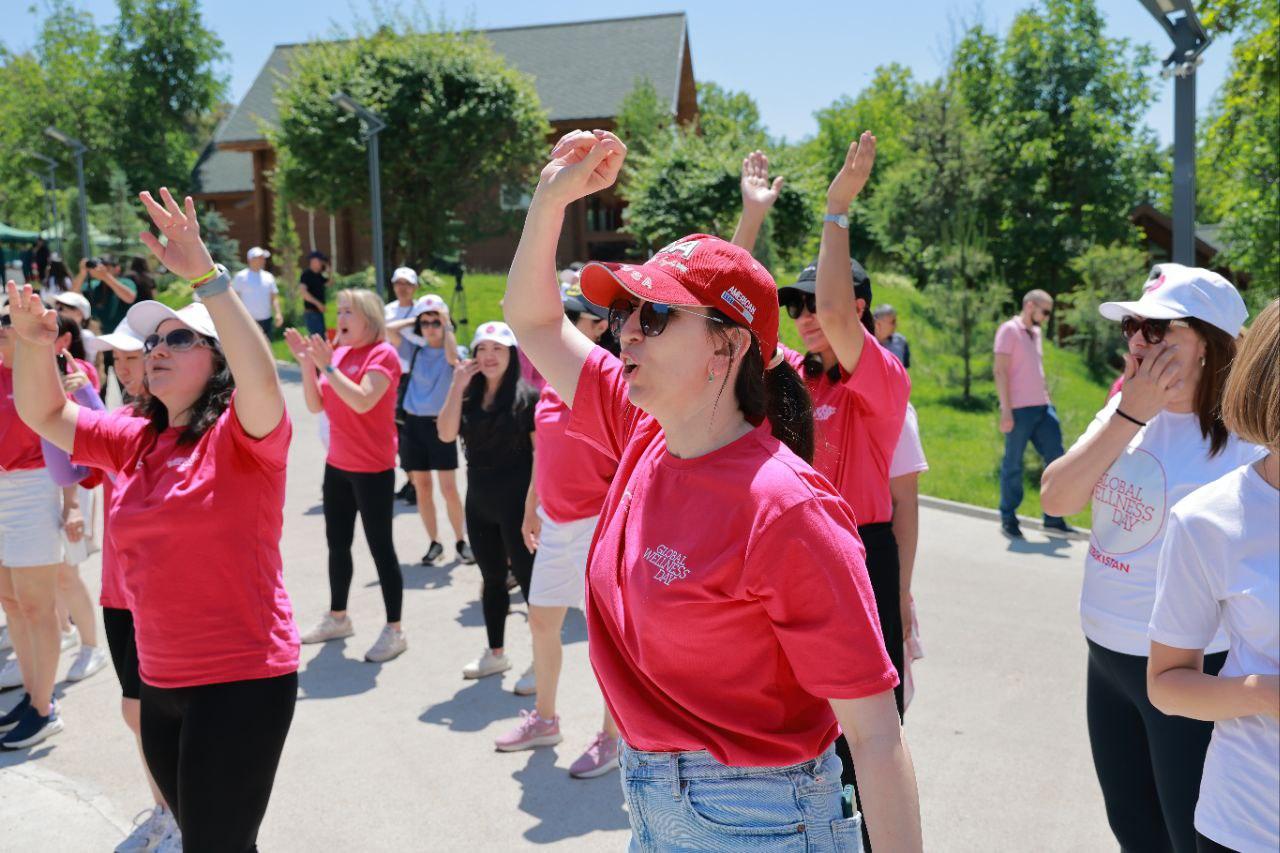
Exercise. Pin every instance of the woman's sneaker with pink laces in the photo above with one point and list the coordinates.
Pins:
(530, 732)
(601, 757)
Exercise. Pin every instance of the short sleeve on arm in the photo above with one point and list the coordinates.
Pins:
(879, 382)
(271, 451)
(1187, 612)
(104, 440)
(385, 360)
(808, 569)
(1004, 339)
(601, 415)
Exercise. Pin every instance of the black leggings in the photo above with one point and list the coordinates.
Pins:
(495, 509)
(373, 496)
(213, 751)
(884, 573)
(1148, 763)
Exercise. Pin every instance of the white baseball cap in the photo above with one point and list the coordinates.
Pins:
(496, 331)
(430, 302)
(1175, 291)
(258, 252)
(74, 300)
(405, 273)
(124, 338)
(146, 316)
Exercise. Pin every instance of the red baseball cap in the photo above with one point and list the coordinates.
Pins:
(698, 270)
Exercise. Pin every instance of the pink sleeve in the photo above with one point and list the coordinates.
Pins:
(271, 451)
(808, 570)
(793, 358)
(602, 416)
(880, 384)
(1004, 339)
(385, 360)
(106, 441)
(90, 371)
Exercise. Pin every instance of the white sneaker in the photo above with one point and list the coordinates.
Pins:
(527, 685)
(391, 644)
(11, 675)
(328, 629)
(88, 660)
(70, 639)
(5, 642)
(150, 828)
(487, 664)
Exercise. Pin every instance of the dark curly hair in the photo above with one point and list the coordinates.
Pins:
(205, 411)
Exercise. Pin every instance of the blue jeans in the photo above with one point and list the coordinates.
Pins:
(314, 322)
(1039, 425)
(688, 801)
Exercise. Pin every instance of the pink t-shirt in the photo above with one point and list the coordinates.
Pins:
(1025, 349)
(528, 372)
(366, 442)
(19, 446)
(571, 477)
(727, 595)
(113, 590)
(857, 422)
(196, 530)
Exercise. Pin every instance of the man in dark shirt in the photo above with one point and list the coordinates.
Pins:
(887, 333)
(314, 281)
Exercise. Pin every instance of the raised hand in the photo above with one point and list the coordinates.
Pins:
(321, 351)
(853, 175)
(183, 253)
(756, 189)
(298, 347)
(582, 163)
(31, 320)
(1150, 385)
(464, 370)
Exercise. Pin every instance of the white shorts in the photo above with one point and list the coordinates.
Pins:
(30, 519)
(560, 566)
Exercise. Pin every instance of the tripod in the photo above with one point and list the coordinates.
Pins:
(458, 300)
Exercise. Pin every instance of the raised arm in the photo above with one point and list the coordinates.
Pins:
(450, 339)
(37, 391)
(837, 308)
(259, 400)
(582, 163)
(449, 421)
(758, 197)
(395, 329)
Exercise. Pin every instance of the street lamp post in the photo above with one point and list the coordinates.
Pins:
(1178, 19)
(77, 148)
(52, 186)
(373, 125)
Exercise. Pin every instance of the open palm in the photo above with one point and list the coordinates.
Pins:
(756, 189)
(31, 320)
(183, 253)
(853, 175)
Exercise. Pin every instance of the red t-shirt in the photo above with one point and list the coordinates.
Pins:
(727, 595)
(113, 590)
(196, 530)
(363, 442)
(857, 422)
(19, 446)
(571, 477)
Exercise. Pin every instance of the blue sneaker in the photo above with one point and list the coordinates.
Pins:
(9, 720)
(31, 729)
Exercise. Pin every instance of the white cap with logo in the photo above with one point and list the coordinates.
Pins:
(496, 331)
(74, 300)
(258, 252)
(430, 302)
(146, 316)
(405, 274)
(1175, 291)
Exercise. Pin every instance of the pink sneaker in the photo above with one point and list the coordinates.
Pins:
(532, 731)
(601, 757)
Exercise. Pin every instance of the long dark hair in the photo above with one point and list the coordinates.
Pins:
(1219, 352)
(505, 400)
(59, 273)
(71, 327)
(779, 394)
(205, 411)
(142, 278)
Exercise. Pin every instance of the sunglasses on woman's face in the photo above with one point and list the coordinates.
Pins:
(431, 324)
(1153, 331)
(179, 340)
(654, 317)
(6, 320)
(798, 302)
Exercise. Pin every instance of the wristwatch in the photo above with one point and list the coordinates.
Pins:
(841, 219)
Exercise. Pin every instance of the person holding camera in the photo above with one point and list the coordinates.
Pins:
(110, 294)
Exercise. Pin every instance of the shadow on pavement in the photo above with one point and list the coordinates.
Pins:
(331, 675)
(418, 576)
(1051, 546)
(13, 757)
(575, 627)
(474, 707)
(566, 807)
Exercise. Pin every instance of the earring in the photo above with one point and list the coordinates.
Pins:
(1202, 361)
(711, 377)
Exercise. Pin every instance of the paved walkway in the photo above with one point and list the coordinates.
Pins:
(400, 756)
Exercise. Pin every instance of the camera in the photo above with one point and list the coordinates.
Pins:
(91, 263)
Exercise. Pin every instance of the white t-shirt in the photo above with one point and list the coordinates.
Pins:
(256, 289)
(908, 456)
(1220, 564)
(1167, 460)
(396, 311)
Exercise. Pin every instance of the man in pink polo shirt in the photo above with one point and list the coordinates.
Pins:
(1025, 411)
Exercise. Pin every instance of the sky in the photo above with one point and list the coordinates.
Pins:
(793, 63)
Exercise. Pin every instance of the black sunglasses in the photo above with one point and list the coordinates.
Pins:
(6, 320)
(797, 302)
(431, 324)
(179, 340)
(654, 317)
(1153, 331)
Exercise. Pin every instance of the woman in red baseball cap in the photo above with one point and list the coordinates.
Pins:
(733, 629)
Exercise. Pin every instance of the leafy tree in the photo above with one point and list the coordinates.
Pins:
(1103, 274)
(120, 216)
(461, 124)
(215, 229)
(161, 56)
(643, 119)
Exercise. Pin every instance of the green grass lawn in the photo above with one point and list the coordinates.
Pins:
(963, 443)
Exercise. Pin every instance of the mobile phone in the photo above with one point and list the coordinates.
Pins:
(62, 364)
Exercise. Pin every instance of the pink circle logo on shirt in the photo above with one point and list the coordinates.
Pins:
(1130, 502)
